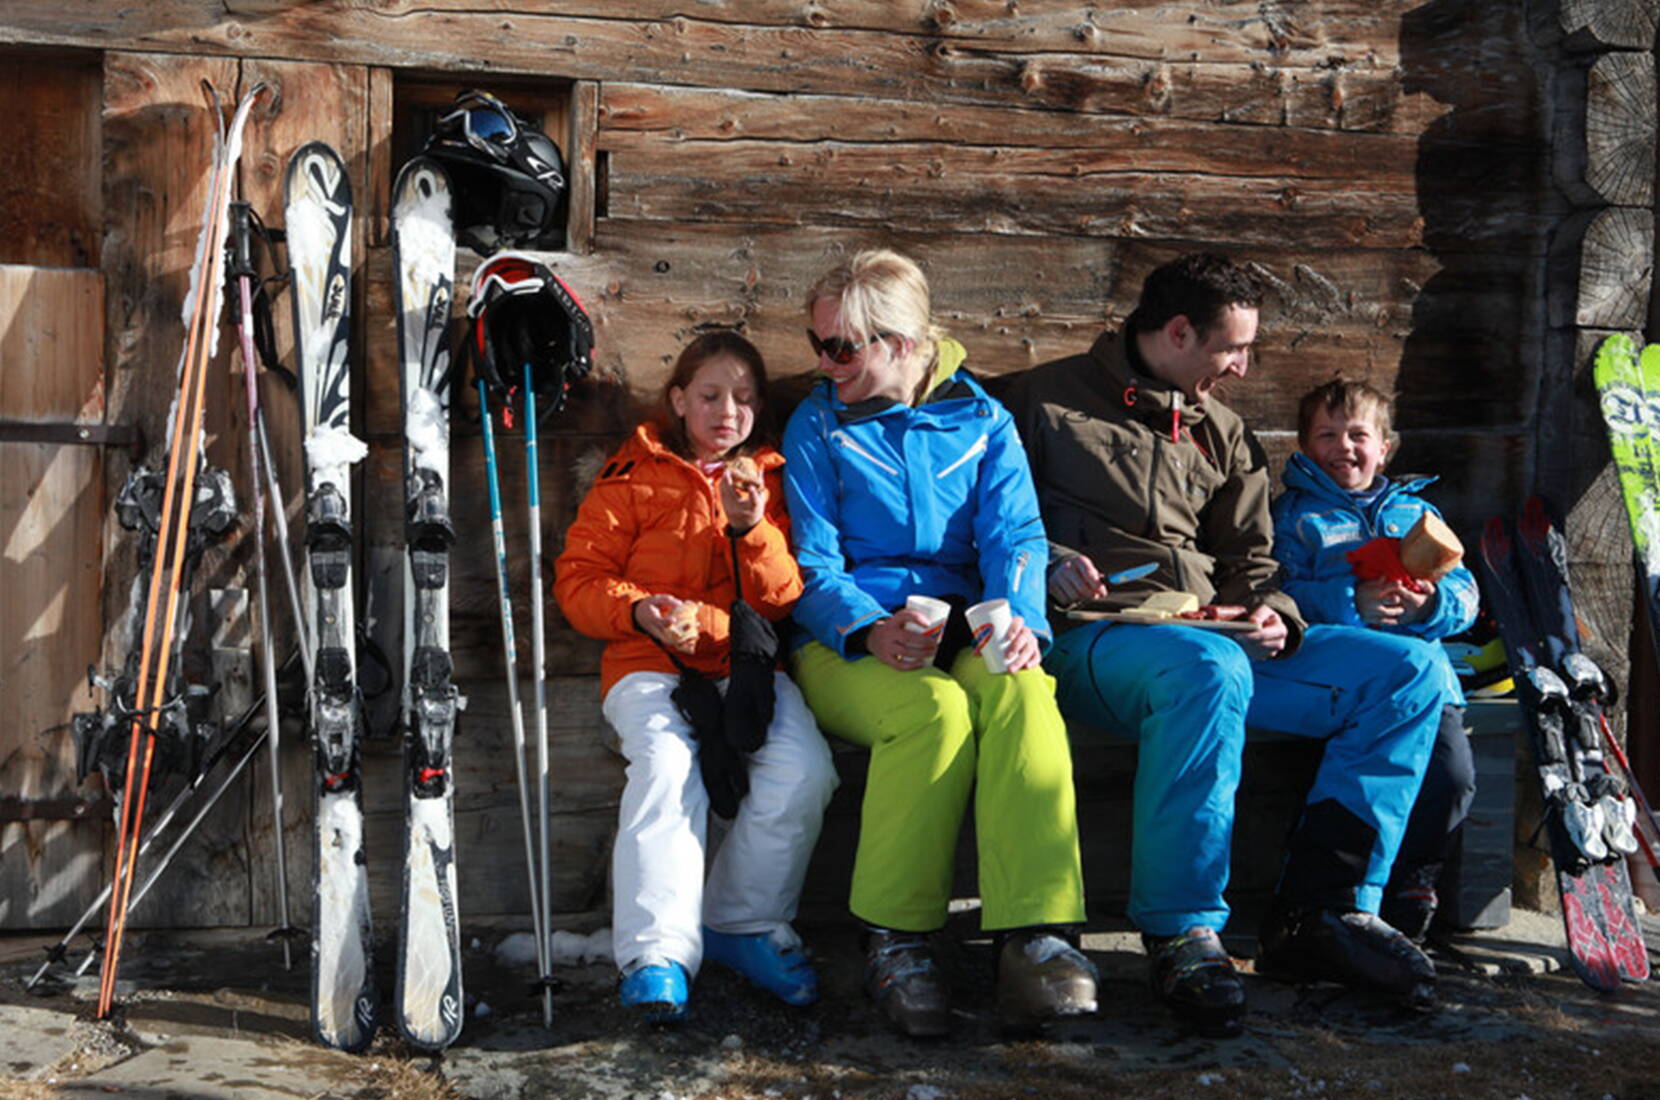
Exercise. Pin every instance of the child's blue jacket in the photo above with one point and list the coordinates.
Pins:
(887, 501)
(1316, 522)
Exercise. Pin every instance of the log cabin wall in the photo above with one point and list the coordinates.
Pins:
(1388, 166)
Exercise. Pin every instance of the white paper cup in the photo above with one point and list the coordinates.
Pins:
(935, 611)
(990, 622)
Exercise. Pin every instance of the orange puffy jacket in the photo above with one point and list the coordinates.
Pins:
(653, 523)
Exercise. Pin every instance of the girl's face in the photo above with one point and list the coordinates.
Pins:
(717, 406)
(876, 368)
(1351, 450)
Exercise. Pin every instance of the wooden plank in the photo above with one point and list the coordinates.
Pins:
(947, 188)
(1177, 68)
(631, 111)
(51, 514)
(1017, 301)
(50, 201)
(579, 165)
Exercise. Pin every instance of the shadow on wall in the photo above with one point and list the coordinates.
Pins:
(1470, 369)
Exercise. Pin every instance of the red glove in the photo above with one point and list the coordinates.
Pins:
(1380, 559)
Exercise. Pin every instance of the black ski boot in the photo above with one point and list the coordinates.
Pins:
(904, 979)
(1041, 977)
(1410, 901)
(1306, 943)
(1194, 975)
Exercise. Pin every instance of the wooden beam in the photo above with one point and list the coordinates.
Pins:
(1275, 73)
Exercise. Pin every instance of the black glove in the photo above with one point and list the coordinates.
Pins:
(749, 693)
(725, 773)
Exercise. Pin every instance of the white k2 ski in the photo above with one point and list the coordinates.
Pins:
(318, 216)
(429, 999)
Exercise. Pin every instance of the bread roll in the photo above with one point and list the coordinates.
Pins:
(1430, 550)
(683, 625)
(746, 476)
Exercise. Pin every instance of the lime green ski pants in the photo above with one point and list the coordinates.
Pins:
(933, 737)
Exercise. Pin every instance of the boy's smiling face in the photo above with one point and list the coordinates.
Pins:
(1351, 450)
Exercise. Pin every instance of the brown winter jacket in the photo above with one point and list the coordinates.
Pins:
(653, 524)
(1129, 471)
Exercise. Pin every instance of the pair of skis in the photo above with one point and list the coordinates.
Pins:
(181, 510)
(1589, 808)
(428, 999)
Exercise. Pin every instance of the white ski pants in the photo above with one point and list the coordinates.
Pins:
(660, 898)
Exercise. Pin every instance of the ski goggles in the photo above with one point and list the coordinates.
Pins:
(484, 121)
(839, 350)
(505, 274)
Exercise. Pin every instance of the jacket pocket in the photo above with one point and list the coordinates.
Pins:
(977, 448)
(845, 441)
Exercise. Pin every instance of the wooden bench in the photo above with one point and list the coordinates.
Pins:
(1278, 770)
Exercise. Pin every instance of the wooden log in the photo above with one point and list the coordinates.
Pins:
(631, 111)
(50, 202)
(580, 165)
(947, 188)
(1609, 24)
(1169, 72)
(1620, 128)
(51, 510)
(1603, 264)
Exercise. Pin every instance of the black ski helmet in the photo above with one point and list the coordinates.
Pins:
(509, 177)
(522, 314)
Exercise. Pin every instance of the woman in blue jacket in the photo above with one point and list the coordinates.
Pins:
(904, 478)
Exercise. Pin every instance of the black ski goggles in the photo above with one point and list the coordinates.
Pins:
(839, 350)
(484, 121)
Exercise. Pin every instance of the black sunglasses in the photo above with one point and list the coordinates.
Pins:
(839, 350)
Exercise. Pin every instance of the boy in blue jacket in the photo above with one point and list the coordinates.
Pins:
(1337, 498)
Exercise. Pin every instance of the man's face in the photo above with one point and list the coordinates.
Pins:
(1195, 364)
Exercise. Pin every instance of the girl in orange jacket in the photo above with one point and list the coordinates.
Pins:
(648, 569)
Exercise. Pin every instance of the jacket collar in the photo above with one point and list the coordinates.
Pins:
(1126, 382)
(1302, 473)
(647, 441)
(947, 383)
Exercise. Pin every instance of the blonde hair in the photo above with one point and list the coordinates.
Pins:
(881, 291)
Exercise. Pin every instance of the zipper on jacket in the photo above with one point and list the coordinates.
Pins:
(844, 440)
(1020, 561)
(979, 445)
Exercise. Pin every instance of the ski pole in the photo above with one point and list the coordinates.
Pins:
(1636, 791)
(179, 841)
(56, 952)
(280, 518)
(510, 658)
(241, 263)
(176, 494)
(539, 658)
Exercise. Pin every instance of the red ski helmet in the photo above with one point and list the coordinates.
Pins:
(509, 177)
(522, 314)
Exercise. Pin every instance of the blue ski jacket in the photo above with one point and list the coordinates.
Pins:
(1316, 522)
(888, 501)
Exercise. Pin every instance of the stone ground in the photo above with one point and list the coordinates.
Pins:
(213, 1014)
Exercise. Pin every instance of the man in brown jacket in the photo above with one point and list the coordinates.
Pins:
(1136, 464)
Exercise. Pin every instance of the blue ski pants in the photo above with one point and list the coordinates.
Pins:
(1186, 695)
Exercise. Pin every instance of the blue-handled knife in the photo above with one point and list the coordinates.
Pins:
(1134, 573)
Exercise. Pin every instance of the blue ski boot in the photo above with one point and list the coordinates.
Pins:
(657, 991)
(768, 960)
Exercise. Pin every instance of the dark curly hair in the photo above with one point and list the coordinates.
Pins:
(1199, 286)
